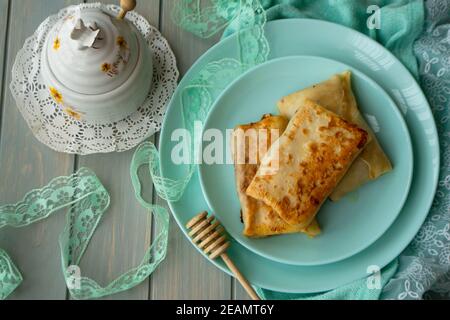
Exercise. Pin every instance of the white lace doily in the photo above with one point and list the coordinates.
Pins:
(62, 133)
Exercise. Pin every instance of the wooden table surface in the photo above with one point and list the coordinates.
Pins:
(126, 230)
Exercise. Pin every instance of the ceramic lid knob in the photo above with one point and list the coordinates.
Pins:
(85, 36)
(126, 5)
(97, 68)
(92, 52)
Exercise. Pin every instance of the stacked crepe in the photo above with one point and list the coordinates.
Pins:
(320, 147)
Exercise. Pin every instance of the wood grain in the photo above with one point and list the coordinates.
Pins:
(238, 292)
(126, 229)
(26, 164)
(185, 274)
(125, 233)
(208, 234)
(4, 6)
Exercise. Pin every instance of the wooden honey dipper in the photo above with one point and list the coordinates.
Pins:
(126, 5)
(207, 233)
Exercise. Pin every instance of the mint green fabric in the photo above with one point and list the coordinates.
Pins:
(358, 290)
(401, 20)
(424, 267)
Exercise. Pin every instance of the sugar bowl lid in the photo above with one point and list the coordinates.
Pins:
(92, 52)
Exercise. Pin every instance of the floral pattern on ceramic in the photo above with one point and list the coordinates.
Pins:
(57, 44)
(58, 97)
(74, 114)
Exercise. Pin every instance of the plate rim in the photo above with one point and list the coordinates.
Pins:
(276, 24)
(401, 122)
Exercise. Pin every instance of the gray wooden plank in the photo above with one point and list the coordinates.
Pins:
(26, 164)
(185, 274)
(4, 5)
(238, 292)
(125, 232)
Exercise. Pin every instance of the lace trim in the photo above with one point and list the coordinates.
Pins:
(63, 133)
(87, 201)
(198, 96)
(83, 193)
(10, 277)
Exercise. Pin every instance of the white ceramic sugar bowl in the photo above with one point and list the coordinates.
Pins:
(97, 67)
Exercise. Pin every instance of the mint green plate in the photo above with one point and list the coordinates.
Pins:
(350, 225)
(317, 38)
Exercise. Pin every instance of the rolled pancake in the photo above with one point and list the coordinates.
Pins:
(312, 156)
(337, 96)
(259, 219)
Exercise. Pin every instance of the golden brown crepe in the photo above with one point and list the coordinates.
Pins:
(313, 155)
(337, 96)
(259, 219)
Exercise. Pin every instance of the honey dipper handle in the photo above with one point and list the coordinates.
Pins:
(240, 277)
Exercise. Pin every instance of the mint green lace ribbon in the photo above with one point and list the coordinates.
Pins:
(249, 18)
(87, 200)
(10, 277)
